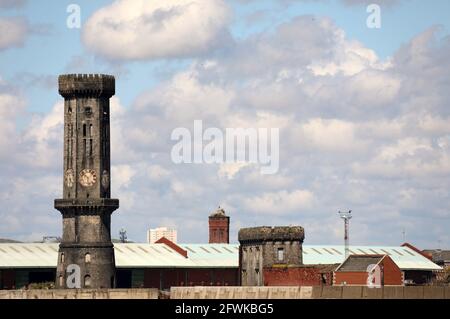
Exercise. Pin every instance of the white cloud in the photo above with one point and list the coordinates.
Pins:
(351, 57)
(229, 170)
(185, 99)
(282, 202)
(123, 175)
(330, 135)
(11, 107)
(157, 172)
(156, 29)
(13, 32)
(404, 147)
(42, 138)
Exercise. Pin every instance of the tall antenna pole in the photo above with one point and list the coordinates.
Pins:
(346, 216)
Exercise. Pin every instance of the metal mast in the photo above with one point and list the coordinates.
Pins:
(346, 216)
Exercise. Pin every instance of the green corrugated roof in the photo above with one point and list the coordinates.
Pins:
(36, 255)
(404, 257)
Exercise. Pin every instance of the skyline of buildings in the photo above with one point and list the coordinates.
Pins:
(154, 234)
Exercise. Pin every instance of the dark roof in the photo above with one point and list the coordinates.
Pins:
(6, 240)
(438, 255)
(359, 262)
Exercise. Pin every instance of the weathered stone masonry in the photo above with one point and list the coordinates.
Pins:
(86, 205)
(264, 247)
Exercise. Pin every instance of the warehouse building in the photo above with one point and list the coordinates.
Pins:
(138, 265)
(165, 264)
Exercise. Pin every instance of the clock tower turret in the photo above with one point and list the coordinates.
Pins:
(86, 206)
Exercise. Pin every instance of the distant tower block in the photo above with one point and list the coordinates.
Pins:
(86, 206)
(264, 247)
(219, 227)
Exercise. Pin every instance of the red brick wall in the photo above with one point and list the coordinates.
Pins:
(350, 278)
(166, 278)
(217, 225)
(392, 275)
(296, 276)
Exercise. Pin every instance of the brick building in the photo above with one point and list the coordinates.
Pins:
(276, 256)
(160, 265)
(219, 227)
(354, 271)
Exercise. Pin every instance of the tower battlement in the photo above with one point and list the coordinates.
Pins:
(265, 233)
(90, 85)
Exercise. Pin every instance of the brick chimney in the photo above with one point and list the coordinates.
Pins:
(219, 227)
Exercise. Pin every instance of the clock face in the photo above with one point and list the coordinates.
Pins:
(69, 178)
(105, 179)
(87, 177)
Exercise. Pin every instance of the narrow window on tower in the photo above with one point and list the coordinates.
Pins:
(69, 146)
(84, 130)
(84, 146)
(87, 258)
(68, 153)
(90, 147)
(87, 281)
(280, 254)
(61, 280)
(62, 257)
(90, 129)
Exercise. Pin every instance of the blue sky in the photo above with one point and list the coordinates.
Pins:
(362, 112)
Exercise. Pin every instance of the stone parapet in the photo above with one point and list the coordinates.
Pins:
(87, 85)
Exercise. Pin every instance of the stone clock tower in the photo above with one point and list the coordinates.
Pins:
(86, 206)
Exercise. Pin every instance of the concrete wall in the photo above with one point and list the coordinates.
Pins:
(317, 292)
(241, 293)
(81, 294)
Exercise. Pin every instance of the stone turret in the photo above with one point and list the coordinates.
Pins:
(266, 247)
